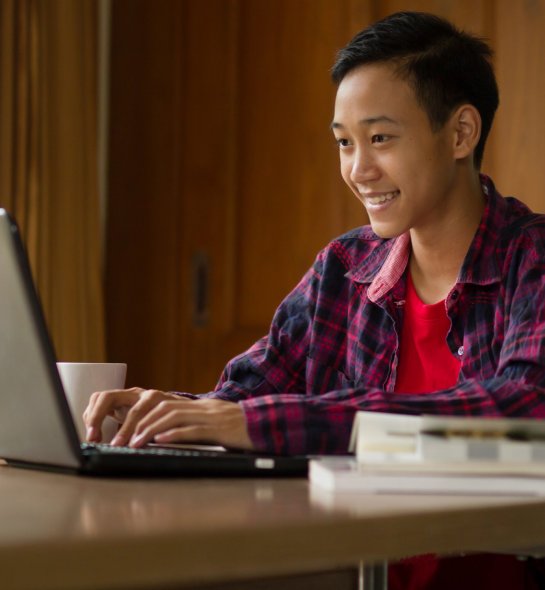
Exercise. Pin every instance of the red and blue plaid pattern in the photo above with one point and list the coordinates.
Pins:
(332, 348)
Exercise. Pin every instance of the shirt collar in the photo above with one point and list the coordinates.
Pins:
(383, 269)
(481, 265)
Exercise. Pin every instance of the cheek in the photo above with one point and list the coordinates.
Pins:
(346, 168)
(345, 173)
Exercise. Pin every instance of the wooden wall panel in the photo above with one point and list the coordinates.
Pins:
(143, 233)
(282, 198)
(208, 189)
(519, 136)
(290, 187)
(473, 15)
(221, 160)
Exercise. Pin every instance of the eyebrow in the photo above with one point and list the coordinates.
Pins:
(368, 121)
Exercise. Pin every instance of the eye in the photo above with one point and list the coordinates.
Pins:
(342, 142)
(380, 138)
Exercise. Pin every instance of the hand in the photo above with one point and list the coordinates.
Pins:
(123, 405)
(166, 418)
(186, 420)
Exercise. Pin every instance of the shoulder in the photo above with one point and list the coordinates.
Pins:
(520, 248)
(522, 225)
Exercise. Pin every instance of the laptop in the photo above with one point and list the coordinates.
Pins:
(36, 427)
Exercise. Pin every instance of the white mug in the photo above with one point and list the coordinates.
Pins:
(80, 380)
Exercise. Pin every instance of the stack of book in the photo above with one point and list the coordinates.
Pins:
(434, 454)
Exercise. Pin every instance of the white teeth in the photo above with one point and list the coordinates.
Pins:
(382, 198)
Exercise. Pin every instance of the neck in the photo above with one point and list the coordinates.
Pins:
(438, 252)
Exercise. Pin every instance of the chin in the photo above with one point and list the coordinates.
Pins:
(385, 232)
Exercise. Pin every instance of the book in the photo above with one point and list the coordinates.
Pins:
(397, 453)
(347, 474)
(394, 438)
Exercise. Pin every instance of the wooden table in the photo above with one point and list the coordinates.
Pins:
(61, 531)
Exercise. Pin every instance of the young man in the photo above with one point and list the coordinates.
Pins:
(437, 307)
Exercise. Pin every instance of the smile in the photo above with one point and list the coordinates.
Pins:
(379, 199)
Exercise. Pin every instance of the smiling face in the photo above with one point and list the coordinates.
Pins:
(405, 174)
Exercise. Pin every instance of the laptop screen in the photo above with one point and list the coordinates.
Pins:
(35, 421)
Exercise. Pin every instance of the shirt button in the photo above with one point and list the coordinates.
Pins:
(461, 351)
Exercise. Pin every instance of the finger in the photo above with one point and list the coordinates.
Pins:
(148, 400)
(212, 421)
(165, 406)
(195, 433)
(104, 403)
(206, 434)
(90, 406)
(120, 414)
(166, 415)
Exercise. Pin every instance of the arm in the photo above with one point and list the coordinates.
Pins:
(513, 384)
(270, 365)
(293, 424)
(284, 412)
(277, 362)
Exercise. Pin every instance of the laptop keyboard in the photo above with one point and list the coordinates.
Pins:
(147, 451)
(106, 459)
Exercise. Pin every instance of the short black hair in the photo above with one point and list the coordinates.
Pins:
(446, 66)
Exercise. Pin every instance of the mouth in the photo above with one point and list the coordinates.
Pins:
(378, 199)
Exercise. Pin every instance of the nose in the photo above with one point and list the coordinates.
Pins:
(363, 167)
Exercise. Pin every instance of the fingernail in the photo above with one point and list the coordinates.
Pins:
(117, 441)
(136, 440)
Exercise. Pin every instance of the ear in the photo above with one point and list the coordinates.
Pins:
(466, 122)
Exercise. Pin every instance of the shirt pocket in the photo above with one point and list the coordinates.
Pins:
(321, 378)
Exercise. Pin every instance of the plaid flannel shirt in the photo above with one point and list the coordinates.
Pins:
(332, 348)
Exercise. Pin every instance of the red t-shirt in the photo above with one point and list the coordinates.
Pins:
(425, 361)
(426, 364)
